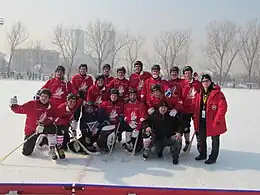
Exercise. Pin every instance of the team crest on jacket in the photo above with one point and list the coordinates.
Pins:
(83, 86)
(133, 123)
(173, 89)
(192, 93)
(140, 84)
(113, 115)
(121, 89)
(98, 100)
(214, 107)
(58, 92)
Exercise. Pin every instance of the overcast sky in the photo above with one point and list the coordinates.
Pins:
(141, 17)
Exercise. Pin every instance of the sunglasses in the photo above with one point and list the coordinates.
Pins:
(205, 81)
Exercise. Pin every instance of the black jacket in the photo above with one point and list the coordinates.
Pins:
(163, 126)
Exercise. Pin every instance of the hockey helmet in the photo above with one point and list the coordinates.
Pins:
(45, 91)
(132, 90)
(156, 87)
(156, 67)
(90, 103)
(175, 69)
(83, 66)
(138, 63)
(71, 96)
(60, 68)
(114, 91)
(107, 66)
(121, 69)
(187, 68)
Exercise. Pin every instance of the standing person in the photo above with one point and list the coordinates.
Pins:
(175, 82)
(98, 93)
(59, 87)
(161, 130)
(106, 73)
(39, 120)
(146, 93)
(82, 81)
(209, 118)
(121, 84)
(190, 88)
(138, 78)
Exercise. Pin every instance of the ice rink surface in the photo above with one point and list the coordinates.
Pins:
(238, 166)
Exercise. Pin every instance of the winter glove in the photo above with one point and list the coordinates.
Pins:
(74, 133)
(135, 133)
(178, 136)
(74, 125)
(39, 129)
(13, 101)
(173, 113)
(151, 111)
(168, 93)
(37, 95)
(121, 118)
(81, 94)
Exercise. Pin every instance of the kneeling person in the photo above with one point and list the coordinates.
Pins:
(161, 130)
(39, 120)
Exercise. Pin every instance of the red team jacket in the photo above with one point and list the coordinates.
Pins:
(35, 111)
(80, 82)
(121, 85)
(189, 91)
(113, 110)
(59, 89)
(108, 80)
(63, 116)
(137, 81)
(147, 88)
(135, 113)
(176, 85)
(215, 112)
(97, 95)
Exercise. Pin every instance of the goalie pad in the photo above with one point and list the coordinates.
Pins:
(73, 146)
(106, 137)
(126, 137)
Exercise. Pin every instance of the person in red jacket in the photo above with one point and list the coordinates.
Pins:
(134, 114)
(82, 81)
(209, 118)
(138, 78)
(155, 79)
(39, 119)
(175, 82)
(106, 73)
(59, 87)
(121, 84)
(98, 93)
(190, 88)
(64, 115)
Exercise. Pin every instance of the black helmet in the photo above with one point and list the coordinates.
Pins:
(114, 91)
(187, 68)
(121, 69)
(175, 69)
(156, 87)
(83, 66)
(60, 68)
(156, 67)
(71, 96)
(132, 90)
(45, 91)
(107, 66)
(100, 76)
(90, 103)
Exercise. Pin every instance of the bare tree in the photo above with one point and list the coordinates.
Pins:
(251, 46)
(132, 50)
(224, 41)
(15, 37)
(101, 42)
(171, 45)
(68, 45)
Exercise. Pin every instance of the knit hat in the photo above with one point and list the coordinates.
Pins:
(206, 76)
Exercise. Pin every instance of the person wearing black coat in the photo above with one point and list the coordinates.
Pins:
(160, 130)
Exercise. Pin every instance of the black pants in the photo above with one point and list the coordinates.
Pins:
(29, 146)
(203, 142)
(174, 144)
(186, 123)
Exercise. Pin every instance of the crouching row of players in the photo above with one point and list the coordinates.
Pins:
(100, 126)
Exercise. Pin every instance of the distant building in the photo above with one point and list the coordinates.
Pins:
(79, 41)
(2, 62)
(110, 39)
(33, 59)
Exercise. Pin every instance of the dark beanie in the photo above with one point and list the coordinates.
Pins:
(206, 76)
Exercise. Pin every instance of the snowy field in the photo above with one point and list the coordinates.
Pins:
(238, 165)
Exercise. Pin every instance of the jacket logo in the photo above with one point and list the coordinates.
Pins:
(58, 92)
(140, 84)
(214, 107)
(83, 86)
(113, 115)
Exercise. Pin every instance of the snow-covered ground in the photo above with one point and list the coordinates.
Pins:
(237, 167)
